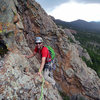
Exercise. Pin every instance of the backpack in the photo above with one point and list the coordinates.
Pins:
(52, 63)
(51, 51)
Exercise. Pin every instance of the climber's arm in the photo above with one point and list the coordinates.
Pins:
(42, 65)
(31, 55)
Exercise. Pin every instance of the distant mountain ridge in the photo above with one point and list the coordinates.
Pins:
(79, 25)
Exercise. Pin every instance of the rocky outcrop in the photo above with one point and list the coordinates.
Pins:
(82, 52)
(21, 21)
(17, 83)
(73, 31)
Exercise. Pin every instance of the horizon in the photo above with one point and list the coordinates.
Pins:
(76, 20)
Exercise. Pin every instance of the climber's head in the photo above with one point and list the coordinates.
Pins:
(39, 42)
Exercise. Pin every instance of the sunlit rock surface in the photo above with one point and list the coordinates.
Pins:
(20, 22)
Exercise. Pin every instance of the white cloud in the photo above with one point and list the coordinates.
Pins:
(73, 11)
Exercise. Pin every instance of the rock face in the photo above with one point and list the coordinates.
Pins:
(82, 52)
(20, 22)
(16, 83)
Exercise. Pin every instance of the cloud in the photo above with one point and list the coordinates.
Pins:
(87, 1)
(73, 11)
(50, 4)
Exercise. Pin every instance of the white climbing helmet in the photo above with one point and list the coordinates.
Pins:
(38, 40)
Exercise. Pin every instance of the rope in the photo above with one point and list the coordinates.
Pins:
(43, 81)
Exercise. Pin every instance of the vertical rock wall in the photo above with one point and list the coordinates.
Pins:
(20, 22)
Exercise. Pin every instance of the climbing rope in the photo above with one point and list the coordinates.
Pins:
(43, 81)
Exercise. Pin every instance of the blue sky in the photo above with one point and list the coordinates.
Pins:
(49, 5)
(70, 10)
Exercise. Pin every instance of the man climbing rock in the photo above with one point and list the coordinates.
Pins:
(47, 62)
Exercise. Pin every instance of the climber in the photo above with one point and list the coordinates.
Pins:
(46, 64)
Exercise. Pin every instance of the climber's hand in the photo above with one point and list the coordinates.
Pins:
(26, 56)
(39, 74)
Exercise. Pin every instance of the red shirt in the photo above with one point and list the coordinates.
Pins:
(44, 53)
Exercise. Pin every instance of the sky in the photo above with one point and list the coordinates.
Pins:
(70, 10)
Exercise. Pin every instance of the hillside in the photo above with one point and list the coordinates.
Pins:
(80, 25)
(91, 42)
(20, 22)
(88, 35)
